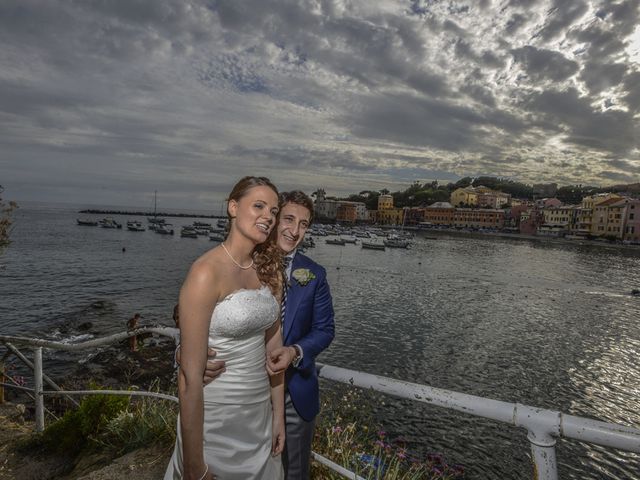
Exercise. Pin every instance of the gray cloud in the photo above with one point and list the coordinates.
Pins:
(543, 64)
(191, 94)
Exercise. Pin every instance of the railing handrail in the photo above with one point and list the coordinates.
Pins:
(538, 420)
(95, 342)
(543, 426)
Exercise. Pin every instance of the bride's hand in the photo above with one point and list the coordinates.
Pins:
(277, 437)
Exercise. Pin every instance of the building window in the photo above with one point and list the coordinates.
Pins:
(631, 214)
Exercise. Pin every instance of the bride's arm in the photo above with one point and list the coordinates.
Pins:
(273, 339)
(196, 306)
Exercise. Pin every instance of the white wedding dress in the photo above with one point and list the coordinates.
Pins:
(237, 405)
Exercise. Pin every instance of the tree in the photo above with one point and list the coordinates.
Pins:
(5, 221)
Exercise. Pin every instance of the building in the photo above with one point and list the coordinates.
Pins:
(385, 202)
(632, 221)
(547, 203)
(493, 199)
(340, 210)
(390, 216)
(325, 209)
(530, 220)
(600, 216)
(414, 215)
(386, 213)
(464, 196)
(439, 213)
(346, 212)
(557, 221)
(478, 218)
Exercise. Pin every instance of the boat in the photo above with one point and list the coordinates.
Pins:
(188, 232)
(308, 242)
(349, 239)
(135, 226)
(222, 223)
(396, 243)
(216, 237)
(109, 222)
(87, 223)
(202, 224)
(155, 221)
(163, 229)
(335, 241)
(373, 245)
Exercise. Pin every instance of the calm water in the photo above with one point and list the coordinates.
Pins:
(549, 325)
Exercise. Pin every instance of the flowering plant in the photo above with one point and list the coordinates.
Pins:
(303, 275)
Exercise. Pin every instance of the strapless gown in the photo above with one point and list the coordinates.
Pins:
(237, 405)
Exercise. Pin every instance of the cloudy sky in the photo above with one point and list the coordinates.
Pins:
(105, 101)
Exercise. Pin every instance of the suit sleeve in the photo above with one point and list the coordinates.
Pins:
(322, 324)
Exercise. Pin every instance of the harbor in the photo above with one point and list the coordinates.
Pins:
(547, 324)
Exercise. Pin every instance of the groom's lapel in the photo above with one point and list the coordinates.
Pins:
(294, 295)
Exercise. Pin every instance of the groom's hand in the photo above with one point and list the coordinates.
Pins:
(279, 359)
(213, 368)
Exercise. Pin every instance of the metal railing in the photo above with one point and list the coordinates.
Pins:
(543, 426)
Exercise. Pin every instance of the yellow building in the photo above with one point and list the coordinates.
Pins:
(385, 202)
(600, 217)
(464, 196)
(390, 216)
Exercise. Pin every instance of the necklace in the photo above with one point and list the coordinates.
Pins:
(234, 260)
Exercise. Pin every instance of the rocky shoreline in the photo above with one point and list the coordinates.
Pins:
(151, 367)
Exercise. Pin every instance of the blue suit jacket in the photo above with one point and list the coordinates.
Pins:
(308, 321)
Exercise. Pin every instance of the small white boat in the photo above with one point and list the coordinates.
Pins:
(109, 222)
(135, 226)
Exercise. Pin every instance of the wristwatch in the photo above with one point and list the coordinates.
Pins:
(298, 358)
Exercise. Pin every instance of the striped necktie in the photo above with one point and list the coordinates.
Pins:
(285, 288)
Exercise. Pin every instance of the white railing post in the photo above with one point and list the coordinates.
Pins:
(543, 453)
(37, 373)
(543, 427)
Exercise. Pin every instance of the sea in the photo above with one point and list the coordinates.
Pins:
(543, 323)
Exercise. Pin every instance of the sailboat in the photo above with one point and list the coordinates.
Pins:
(154, 221)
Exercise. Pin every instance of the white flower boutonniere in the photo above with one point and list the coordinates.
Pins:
(303, 276)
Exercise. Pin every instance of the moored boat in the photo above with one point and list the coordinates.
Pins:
(216, 237)
(373, 245)
(135, 226)
(87, 223)
(335, 241)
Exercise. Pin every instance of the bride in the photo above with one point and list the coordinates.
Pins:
(233, 428)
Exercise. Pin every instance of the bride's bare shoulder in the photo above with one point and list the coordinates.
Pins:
(207, 268)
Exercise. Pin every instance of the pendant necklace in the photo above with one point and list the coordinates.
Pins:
(234, 260)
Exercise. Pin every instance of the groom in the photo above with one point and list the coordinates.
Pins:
(307, 330)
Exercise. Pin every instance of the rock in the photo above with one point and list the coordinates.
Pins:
(83, 327)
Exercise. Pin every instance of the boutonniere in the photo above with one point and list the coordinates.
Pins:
(303, 276)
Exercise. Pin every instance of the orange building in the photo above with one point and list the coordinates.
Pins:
(439, 213)
(347, 212)
(478, 218)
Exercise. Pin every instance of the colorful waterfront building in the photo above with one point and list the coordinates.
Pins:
(346, 212)
(440, 213)
(632, 220)
(478, 218)
(557, 221)
(387, 214)
(600, 217)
